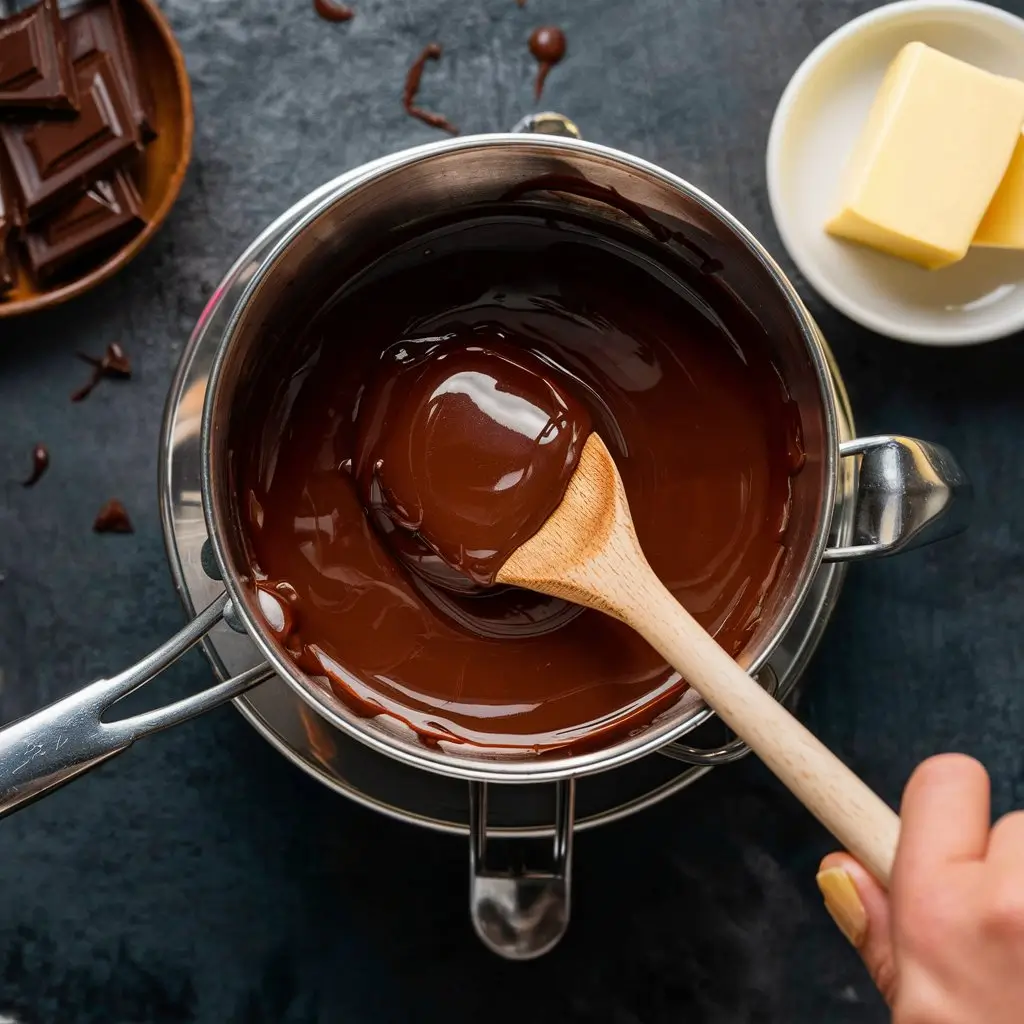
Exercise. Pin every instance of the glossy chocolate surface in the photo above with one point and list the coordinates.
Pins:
(672, 371)
(53, 160)
(35, 69)
(464, 447)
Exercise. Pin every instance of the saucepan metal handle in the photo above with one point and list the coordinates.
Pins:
(46, 749)
(520, 914)
(909, 493)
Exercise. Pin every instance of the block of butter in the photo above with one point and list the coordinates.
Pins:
(1002, 227)
(936, 144)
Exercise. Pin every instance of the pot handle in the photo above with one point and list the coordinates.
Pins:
(520, 914)
(46, 749)
(909, 493)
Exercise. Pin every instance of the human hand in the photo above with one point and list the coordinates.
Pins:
(946, 944)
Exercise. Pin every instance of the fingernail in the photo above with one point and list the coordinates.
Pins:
(842, 901)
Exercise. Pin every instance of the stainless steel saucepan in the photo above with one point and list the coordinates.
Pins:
(909, 493)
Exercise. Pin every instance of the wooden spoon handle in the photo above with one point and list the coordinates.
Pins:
(843, 803)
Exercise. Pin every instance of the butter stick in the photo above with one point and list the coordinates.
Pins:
(935, 147)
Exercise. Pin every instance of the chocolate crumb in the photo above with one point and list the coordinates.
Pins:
(432, 51)
(547, 44)
(331, 10)
(113, 518)
(40, 460)
(113, 364)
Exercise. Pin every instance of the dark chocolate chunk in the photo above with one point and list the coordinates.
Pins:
(35, 67)
(113, 364)
(432, 51)
(99, 28)
(40, 461)
(109, 212)
(53, 160)
(9, 220)
(113, 518)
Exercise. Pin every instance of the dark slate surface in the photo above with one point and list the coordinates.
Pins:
(202, 878)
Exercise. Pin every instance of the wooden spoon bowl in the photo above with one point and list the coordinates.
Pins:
(162, 164)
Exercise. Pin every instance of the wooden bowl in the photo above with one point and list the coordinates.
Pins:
(161, 167)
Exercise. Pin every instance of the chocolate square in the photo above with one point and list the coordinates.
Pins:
(54, 160)
(109, 212)
(35, 67)
(99, 28)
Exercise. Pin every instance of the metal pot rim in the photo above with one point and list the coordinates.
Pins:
(548, 769)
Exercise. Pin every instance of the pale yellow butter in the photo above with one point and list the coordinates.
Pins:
(1002, 227)
(937, 142)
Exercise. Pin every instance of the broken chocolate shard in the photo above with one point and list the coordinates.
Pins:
(113, 518)
(432, 51)
(35, 67)
(113, 364)
(109, 212)
(40, 462)
(53, 160)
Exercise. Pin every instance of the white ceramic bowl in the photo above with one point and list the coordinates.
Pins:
(815, 126)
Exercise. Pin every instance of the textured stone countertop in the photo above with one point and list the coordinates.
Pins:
(200, 877)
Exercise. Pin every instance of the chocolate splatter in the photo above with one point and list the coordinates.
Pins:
(331, 10)
(40, 461)
(113, 518)
(432, 51)
(547, 44)
(113, 364)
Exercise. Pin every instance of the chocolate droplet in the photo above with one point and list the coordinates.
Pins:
(331, 10)
(113, 518)
(113, 364)
(432, 51)
(40, 461)
(547, 44)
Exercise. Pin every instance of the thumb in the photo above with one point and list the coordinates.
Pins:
(860, 907)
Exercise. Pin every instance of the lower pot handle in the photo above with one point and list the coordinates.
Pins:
(46, 749)
(520, 914)
(909, 493)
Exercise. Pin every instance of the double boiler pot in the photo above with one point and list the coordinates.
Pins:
(854, 498)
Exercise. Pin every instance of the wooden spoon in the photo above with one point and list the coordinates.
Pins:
(587, 552)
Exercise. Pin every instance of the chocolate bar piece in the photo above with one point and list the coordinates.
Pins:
(53, 160)
(9, 219)
(99, 28)
(35, 67)
(109, 212)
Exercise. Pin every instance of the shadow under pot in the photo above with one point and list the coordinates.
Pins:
(701, 370)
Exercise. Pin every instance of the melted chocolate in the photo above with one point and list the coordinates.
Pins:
(466, 444)
(40, 462)
(331, 10)
(547, 44)
(673, 373)
(432, 51)
(113, 364)
(113, 518)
